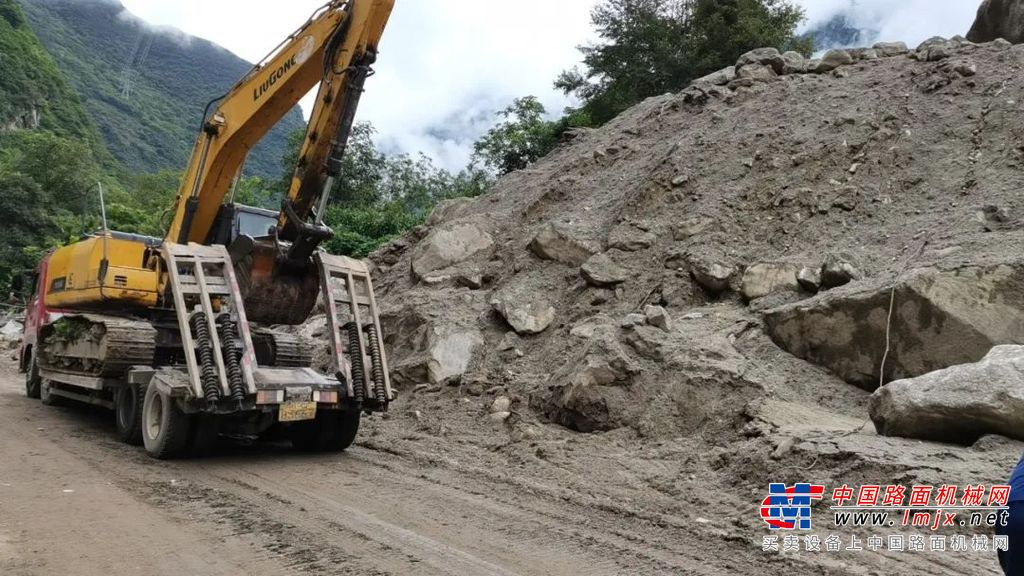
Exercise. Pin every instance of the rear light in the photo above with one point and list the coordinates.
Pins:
(326, 397)
(270, 397)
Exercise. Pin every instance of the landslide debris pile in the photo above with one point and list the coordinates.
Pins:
(735, 247)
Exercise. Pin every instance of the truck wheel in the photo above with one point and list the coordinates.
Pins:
(332, 431)
(128, 402)
(46, 396)
(32, 378)
(165, 427)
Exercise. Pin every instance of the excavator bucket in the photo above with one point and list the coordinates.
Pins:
(275, 292)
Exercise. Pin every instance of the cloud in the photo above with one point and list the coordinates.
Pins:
(912, 21)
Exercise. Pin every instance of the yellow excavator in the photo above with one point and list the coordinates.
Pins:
(186, 337)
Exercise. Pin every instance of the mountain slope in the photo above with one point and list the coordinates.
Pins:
(33, 93)
(146, 89)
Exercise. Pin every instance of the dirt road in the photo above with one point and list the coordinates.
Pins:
(421, 494)
(75, 501)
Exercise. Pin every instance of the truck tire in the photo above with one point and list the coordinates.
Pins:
(165, 427)
(332, 431)
(46, 397)
(128, 402)
(32, 378)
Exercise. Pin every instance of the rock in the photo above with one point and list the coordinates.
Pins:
(998, 19)
(784, 448)
(448, 246)
(450, 355)
(887, 49)
(501, 404)
(940, 319)
(557, 241)
(510, 341)
(427, 352)
(793, 63)
(993, 217)
(769, 57)
(11, 329)
(499, 417)
(838, 271)
(966, 69)
(936, 48)
(525, 313)
(959, 404)
(757, 73)
(630, 239)
(765, 278)
(680, 180)
(632, 320)
(593, 385)
(600, 271)
(657, 316)
(712, 276)
(720, 78)
(833, 59)
(472, 281)
(810, 279)
(692, 227)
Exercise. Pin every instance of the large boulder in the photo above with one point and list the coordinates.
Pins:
(940, 319)
(767, 278)
(834, 59)
(423, 350)
(958, 404)
(526, 312)
(757, 73)
(762, 56)
(449, 245)
(559, 242)
(712, 275)
(888, 49)
(593, 391)
(720, 78)
(999, 19)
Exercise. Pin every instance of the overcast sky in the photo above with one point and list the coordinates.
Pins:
(447, 65)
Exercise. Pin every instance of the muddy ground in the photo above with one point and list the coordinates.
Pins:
(416, 496)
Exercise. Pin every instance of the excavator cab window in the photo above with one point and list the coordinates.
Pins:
(254, 222)
(237, 220)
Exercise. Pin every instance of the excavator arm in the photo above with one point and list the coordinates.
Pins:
(278, 274)
(333, 49)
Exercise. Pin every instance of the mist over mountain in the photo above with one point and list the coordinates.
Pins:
(145, 87)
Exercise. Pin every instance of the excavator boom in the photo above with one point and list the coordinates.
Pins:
(332, 49)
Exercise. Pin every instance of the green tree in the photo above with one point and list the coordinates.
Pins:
(650, 47)
(522, 138)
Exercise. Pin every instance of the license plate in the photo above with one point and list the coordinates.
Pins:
(296, 412)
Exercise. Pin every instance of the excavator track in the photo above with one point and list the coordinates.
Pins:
(98, 346)
(282, 350)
